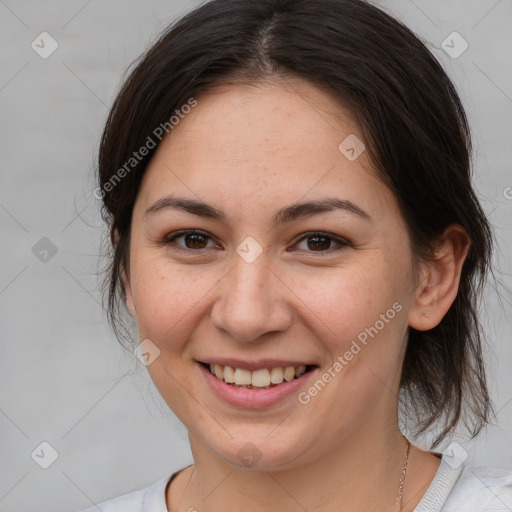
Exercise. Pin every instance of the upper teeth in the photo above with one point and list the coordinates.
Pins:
(258, 378)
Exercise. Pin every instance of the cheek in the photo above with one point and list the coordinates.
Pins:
(168, 298)
(359, 317)
(343, 303)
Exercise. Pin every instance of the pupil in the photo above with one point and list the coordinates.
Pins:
(324, 245)
(196, 239)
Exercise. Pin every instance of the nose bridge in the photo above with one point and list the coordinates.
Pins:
(249, 281)
(250, 301)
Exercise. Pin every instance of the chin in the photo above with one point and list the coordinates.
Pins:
(259, 450)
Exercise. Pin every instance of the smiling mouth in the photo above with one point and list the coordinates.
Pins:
(264, 378)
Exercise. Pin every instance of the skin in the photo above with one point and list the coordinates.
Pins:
(250, 150)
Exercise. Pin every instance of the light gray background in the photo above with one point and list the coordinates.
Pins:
(63, 377)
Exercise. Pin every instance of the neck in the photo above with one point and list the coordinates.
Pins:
(361, 472)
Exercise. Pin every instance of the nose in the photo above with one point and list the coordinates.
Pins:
(251, 301)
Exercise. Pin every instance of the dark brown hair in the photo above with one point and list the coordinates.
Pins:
(414, 127)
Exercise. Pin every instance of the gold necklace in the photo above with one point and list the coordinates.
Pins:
(398, 500)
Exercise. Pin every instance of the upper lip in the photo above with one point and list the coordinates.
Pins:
(256, 364)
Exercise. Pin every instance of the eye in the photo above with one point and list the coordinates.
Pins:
(194, 240)
(321, 242)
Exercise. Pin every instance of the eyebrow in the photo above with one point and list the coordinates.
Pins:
(284, 215)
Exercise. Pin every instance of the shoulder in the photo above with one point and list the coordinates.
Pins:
(148, 499)
(131, 502)
(465, 488)
(481, 488)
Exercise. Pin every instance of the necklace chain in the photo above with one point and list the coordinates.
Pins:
(404, 473)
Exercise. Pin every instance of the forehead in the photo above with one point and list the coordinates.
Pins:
(286, 117)
(272, 141)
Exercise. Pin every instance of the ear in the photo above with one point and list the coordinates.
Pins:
(114, 236)
(439, 279)
(129, 296)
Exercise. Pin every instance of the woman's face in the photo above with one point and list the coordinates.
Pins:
(257, 289)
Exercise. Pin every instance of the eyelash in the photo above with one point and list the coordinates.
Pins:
(169, 240)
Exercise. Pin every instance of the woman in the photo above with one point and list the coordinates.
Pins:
(294, 230)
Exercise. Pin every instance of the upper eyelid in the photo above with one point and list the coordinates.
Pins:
(337, 239)
(167, 239)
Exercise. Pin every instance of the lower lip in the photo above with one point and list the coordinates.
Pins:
(254, 398)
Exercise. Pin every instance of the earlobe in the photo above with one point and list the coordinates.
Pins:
(440, 279)
(114, 234)
(130, 304)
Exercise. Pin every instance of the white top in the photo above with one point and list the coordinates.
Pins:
(459, 488)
